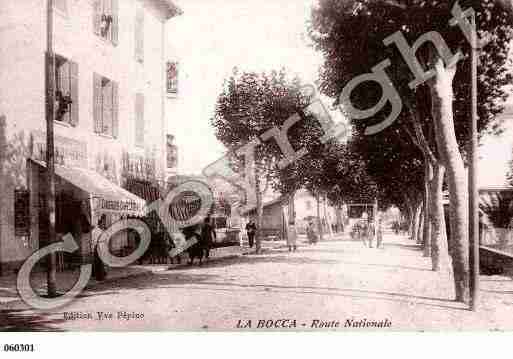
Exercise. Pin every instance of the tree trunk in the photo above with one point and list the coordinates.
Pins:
(319, 223)
(410, 214)
(416, 221)
(442, 110)
(259, 211)
(326, 217)
(439, 246)
(292, 208)
(428, 177)
(420, 229)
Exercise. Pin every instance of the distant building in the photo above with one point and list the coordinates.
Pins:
(274, 218)
(110, 121)
(276, 214)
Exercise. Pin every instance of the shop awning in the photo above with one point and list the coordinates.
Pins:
(107, 196)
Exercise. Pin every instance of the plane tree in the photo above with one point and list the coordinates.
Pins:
(399, 41)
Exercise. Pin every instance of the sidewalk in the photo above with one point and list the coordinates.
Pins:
(66, 279)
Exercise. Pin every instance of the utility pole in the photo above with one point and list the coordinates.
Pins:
(50, 165)
(473, 191)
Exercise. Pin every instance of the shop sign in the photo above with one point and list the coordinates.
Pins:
(68, 152)
(103, 205)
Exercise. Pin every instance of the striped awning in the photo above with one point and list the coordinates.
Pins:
(107, 196)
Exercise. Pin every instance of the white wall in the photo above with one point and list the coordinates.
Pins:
(22, 74)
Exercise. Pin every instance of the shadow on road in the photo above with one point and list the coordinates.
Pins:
(332, 292)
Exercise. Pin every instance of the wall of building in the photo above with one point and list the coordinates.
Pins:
(22, 106)
(306, 206)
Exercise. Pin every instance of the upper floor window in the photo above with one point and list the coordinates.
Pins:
(106, 19)
(308, 205)
(139, 35)
(66, 91)
(172, 78)
(105, 106)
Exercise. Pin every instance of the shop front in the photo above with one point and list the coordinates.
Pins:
(85, 200)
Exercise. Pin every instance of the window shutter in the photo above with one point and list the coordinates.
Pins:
(97, 16)
(63, 85)
(48, 60)
(139, 35)
(107, 10)
(74, 93)
(115, 109)
(139, 119)
(115, 21)
(97, 103)
(107, 102)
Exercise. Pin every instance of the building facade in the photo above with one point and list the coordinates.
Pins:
(110, 121)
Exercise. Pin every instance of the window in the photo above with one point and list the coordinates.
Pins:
(139, 119)
(106, 19)
(172, 78)
(21, 212)
(66, 91)
(139, 35)
(172, 152)
(61, 5)
(308, 205)
(105, 102)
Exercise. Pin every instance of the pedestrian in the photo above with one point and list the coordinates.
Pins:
(311, 234)
(99, 270)
(292, 238)
(379, 233)
(363, 230)
(208, 234)
(197, 249)
(251, 231)
(371, 232)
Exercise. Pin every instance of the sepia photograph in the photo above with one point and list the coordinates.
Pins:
(255, 166)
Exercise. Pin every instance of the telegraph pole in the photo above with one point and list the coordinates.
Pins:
(50, 165)
(473, 191)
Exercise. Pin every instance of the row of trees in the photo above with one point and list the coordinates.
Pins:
(407, 164)
(427, 145)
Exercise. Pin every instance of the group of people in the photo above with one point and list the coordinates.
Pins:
(311, 235)
(205, 234)
(367, 230)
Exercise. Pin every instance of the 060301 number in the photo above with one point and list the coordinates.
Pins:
(18, 347)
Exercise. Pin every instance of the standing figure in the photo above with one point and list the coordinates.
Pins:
(371, 232)
(208, 234)
(99, 270)
(197, 249)
(379, 234)
(292, 237)
(251, 231)
(311, 234)
(363, 230)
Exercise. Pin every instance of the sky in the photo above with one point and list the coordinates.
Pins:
(213, 36)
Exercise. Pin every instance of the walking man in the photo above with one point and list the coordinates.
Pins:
(251, 231)
(292, 237)
(379, 233)
(310, 233)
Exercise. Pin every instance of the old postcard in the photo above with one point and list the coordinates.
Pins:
(255, 166)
